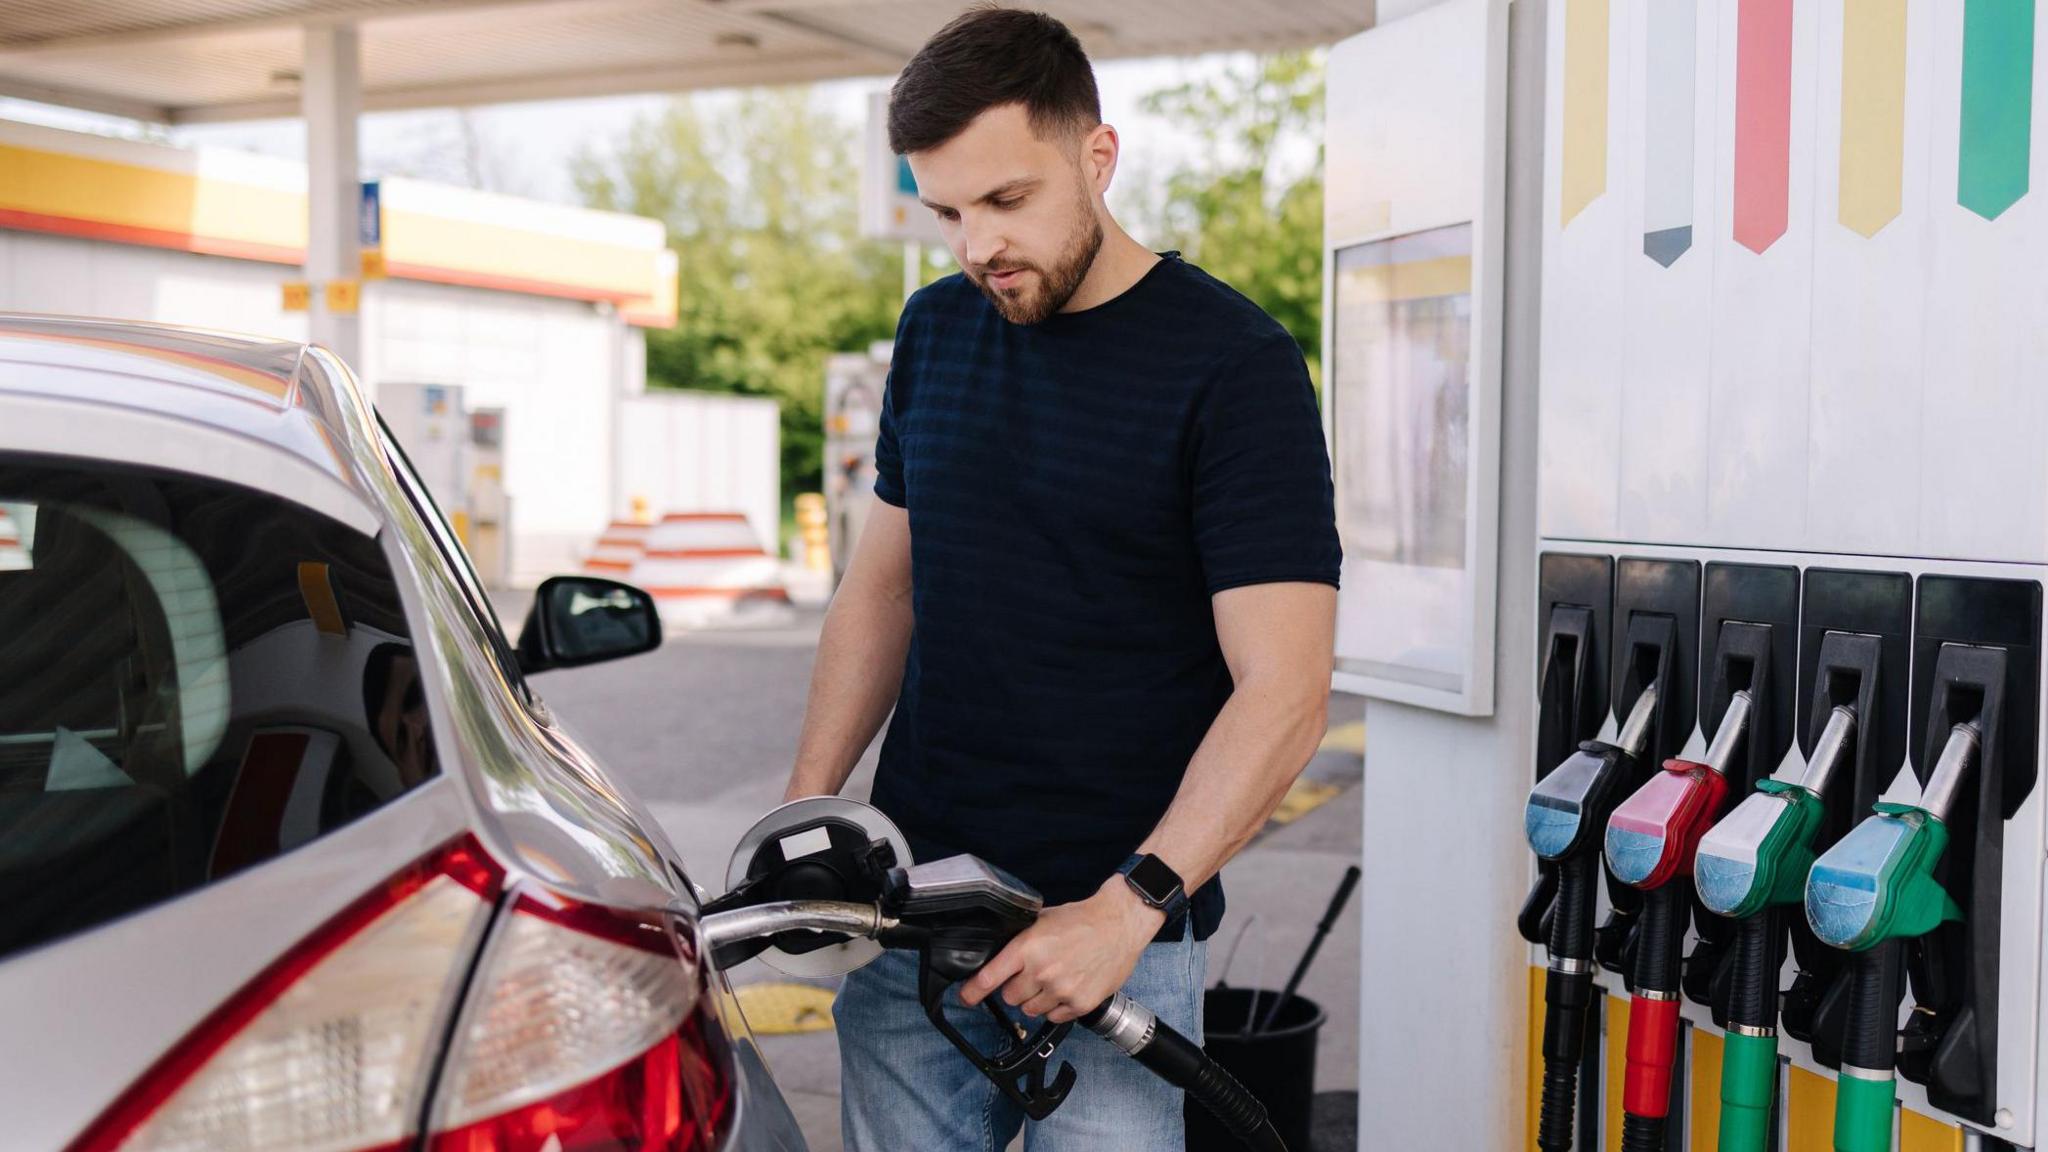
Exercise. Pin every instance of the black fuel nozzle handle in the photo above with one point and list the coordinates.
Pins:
(1019, 1067)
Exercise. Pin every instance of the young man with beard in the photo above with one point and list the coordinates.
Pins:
(1099, 591)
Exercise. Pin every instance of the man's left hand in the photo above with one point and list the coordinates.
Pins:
(1075, 957)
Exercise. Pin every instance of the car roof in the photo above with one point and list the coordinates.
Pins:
(278, 392)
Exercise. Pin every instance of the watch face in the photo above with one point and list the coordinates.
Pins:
(1155, 880)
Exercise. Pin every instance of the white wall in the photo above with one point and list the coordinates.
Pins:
(703, 452)
(556, 366)
(1442, 976)
(58, 274)
(551, 364)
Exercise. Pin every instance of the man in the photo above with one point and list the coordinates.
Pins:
(1099, 590)
(395, 708)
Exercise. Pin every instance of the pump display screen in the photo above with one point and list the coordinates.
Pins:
(1400, 384)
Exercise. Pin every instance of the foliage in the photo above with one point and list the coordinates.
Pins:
(759, 191)
(1235, 208)
(760, 194)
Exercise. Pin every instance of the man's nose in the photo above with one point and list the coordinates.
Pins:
(982, 239)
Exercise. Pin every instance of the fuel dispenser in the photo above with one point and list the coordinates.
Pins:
(1737, 361)
(1656, 604)
(1914, 893)
(1652, 836)
(1752, 864)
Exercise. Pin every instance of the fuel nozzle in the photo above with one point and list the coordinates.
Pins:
(1651, 839)
(1758, 855)
(1750, 867)
(1870, 892)
(1877, 883)
(1566, 811)
(1568, 807)
(1652, 836)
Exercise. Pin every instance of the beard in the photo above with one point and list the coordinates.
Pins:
(1024, 304)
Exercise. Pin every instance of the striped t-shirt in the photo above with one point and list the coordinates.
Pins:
(1077, 491)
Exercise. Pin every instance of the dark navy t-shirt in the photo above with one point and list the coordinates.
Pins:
(1077, 491)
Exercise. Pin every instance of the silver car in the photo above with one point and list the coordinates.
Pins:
(290, 854)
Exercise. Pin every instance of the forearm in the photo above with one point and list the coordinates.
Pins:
(1254, 750)
(853, 686)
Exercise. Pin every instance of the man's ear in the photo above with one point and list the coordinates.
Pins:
(1099, 149)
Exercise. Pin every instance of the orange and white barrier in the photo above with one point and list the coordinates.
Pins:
(13, 542)
(706, 569)
(618, 549)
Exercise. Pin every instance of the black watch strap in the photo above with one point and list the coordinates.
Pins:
(1156, 884)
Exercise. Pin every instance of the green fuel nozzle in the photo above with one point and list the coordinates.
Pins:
(1758, 855)
(1750, 867)
(1877, 883)
(1870, 892)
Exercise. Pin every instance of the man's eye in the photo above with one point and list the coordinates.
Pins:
(1006, 205)
(946, 213)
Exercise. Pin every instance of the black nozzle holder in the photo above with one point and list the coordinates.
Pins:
(1958, 756)
(1635, 731)
(1728, 737)
(1831, 751)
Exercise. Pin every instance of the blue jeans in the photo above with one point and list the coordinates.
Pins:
(904, 1088)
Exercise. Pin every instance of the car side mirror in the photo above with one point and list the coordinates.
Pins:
(585, 619)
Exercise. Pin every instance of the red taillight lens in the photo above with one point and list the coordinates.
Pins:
(587, 1030)
(672, 1098)
(325, 1049)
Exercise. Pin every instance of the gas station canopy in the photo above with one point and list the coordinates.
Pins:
(192, 61)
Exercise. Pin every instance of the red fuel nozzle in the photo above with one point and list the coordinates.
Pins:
(1651, 839)
(1653, 834)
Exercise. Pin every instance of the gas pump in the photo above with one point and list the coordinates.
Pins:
(1652, 835)
(1914, 892)
(1752, 864)
(1657, 606)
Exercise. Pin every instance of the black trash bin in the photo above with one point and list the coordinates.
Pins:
(1278, 1065)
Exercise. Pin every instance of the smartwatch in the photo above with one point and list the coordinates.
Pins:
(1156, 884)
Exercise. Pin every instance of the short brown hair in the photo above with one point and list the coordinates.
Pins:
(987, 58)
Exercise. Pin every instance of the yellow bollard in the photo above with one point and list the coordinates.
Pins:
(641, 515)
(810, 525)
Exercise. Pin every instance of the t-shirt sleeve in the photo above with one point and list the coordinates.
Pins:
(1264, 509)
(888, 449)
(888, 454)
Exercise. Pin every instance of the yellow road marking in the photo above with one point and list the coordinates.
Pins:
(785, 1009)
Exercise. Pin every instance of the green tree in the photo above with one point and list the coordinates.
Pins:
(760, 194)
(1236, 208)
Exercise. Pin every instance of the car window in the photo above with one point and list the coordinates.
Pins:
(458, 559)
(194, 678)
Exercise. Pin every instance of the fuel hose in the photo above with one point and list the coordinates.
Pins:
(1567, 999)
(1133, 1028)
(1867, 1088)
(1749, 1058)
(1653, 1019)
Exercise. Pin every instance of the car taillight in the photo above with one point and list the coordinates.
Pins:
(587, 1030)
(327, 1048)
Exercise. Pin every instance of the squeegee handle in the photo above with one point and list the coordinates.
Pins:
(1315, 943)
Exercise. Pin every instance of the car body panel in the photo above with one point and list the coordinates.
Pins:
(88, 1015)
(289, 419)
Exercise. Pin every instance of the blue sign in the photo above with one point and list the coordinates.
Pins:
(905, 182)
(370, 217)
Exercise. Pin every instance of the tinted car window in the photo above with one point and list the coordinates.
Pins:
(194, 678)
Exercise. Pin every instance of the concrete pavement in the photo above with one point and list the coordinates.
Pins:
(704, 731)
